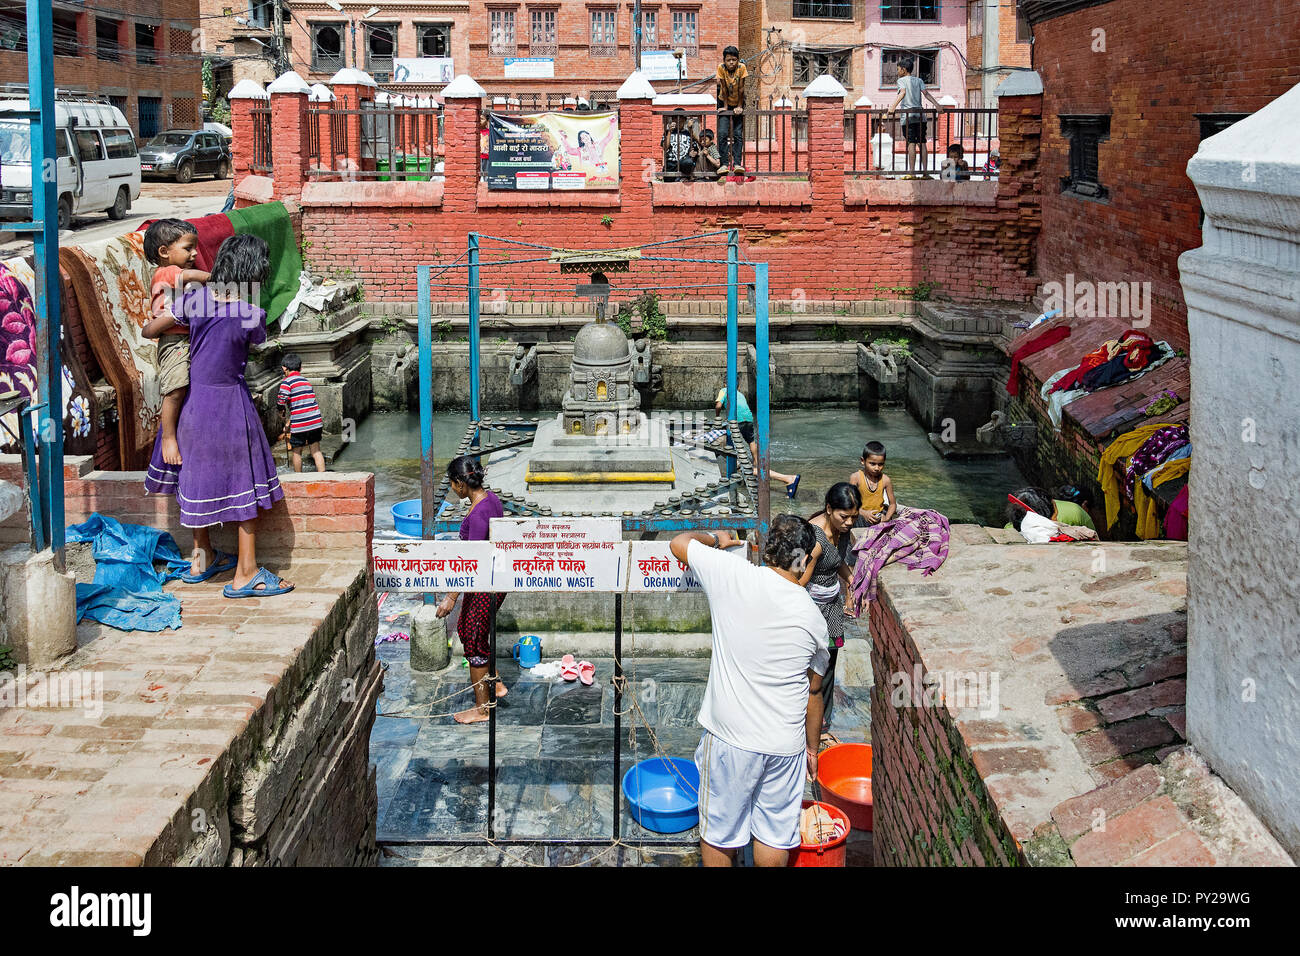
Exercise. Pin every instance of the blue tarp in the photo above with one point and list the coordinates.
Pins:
(127, 593)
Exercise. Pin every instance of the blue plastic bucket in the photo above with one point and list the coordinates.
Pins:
(663, 798)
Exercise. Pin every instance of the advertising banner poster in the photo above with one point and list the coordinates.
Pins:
(424, 69)
(529, 67)
(553, 151)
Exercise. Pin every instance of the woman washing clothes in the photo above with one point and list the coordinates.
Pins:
(474, 625)
(828, 577)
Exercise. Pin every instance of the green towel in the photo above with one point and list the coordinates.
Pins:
(270, 221)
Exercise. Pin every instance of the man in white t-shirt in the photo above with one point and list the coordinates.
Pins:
(762, 709)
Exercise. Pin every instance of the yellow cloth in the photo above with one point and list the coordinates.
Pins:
(1121, 448)
(1148, 525)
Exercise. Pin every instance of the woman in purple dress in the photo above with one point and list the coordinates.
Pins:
(228, 472)
(475, 622)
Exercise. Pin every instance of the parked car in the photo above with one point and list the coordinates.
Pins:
(98, 169)
(182, 154)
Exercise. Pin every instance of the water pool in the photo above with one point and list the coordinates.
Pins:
(823, 445)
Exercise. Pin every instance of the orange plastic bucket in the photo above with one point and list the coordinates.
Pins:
(823, 854)
(844, 772)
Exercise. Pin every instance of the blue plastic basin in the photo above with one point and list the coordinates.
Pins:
(408, 517)
(661, 798)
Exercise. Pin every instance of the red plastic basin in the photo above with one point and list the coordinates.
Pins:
(844, 773)
(824, 854)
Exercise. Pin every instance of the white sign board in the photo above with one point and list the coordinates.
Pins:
(529, 67)
(424, 69)
(660, 65)
(433, 565)
(653, 568)
(556, 530)
(592, 566)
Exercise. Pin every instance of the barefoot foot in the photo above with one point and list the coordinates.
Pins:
(200, 560)
(171, 451)
(472, 716)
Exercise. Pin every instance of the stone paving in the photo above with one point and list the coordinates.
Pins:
(554, 756)
(1082, 752)
(179, 712)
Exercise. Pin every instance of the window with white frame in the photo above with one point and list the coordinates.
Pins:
(684, 32)
(604, 36)
(542, 38)
(649, 29)
(501, 40)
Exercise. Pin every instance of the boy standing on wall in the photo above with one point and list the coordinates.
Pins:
(731, 111)
(910, 90)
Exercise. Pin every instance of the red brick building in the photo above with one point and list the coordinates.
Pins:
(543, 47)
(141, 54)
(1131, 87)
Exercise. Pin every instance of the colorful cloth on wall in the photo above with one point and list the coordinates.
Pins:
(1118, 450)
(18, 370)
(1153, 451)
(1148, 522)
(1109, 368)
(915, 538)
(1044, 341)
(271, 222)
(111, 279)
(1176, 517)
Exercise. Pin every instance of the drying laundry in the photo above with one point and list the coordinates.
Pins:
(1039, 343)
(1121, 448)
(1153, 451)
(914, 538)
(1148, 524)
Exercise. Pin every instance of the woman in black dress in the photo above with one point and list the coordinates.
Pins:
(828, 578)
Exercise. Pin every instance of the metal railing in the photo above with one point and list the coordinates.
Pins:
(876, 141)
(395, 142)
(261, 139)
(775, 141)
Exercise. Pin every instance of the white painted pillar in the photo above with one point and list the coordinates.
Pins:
(1243, 301)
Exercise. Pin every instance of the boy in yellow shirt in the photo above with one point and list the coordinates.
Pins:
(731, 111)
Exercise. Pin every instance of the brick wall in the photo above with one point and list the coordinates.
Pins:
(930, 804)
(821, 239)
(334, 512)
(1164, 61)
(175, 70)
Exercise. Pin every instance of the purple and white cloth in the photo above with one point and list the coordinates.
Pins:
(915, 538)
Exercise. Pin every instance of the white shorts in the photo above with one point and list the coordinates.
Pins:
(746, 795)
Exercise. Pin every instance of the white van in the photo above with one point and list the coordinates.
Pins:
(98, 166)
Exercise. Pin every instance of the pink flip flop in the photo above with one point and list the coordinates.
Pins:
(586, 672)
(569, 668)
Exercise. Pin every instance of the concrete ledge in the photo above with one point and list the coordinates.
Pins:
(761, 192)
(255, 189)
(559, 198)
(919, 192)
(389, 194)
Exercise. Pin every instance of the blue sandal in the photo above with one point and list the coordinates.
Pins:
(273, 586)
(223, 562)
(793, 487)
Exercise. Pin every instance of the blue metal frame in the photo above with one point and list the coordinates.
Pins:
(46, 491)
(433, 488)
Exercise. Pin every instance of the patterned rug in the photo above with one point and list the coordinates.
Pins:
(111, 279)
(18, 365)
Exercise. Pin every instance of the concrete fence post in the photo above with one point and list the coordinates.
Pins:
(825, 98)
(244, 97)
(638, 145)
(462, 104)
(290, 134)
(351, 88)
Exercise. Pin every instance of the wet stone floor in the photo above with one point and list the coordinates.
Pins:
(555, 773)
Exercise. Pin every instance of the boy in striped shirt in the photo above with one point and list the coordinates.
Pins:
(305, 423)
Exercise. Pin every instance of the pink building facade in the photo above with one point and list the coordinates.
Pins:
(934, 33)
